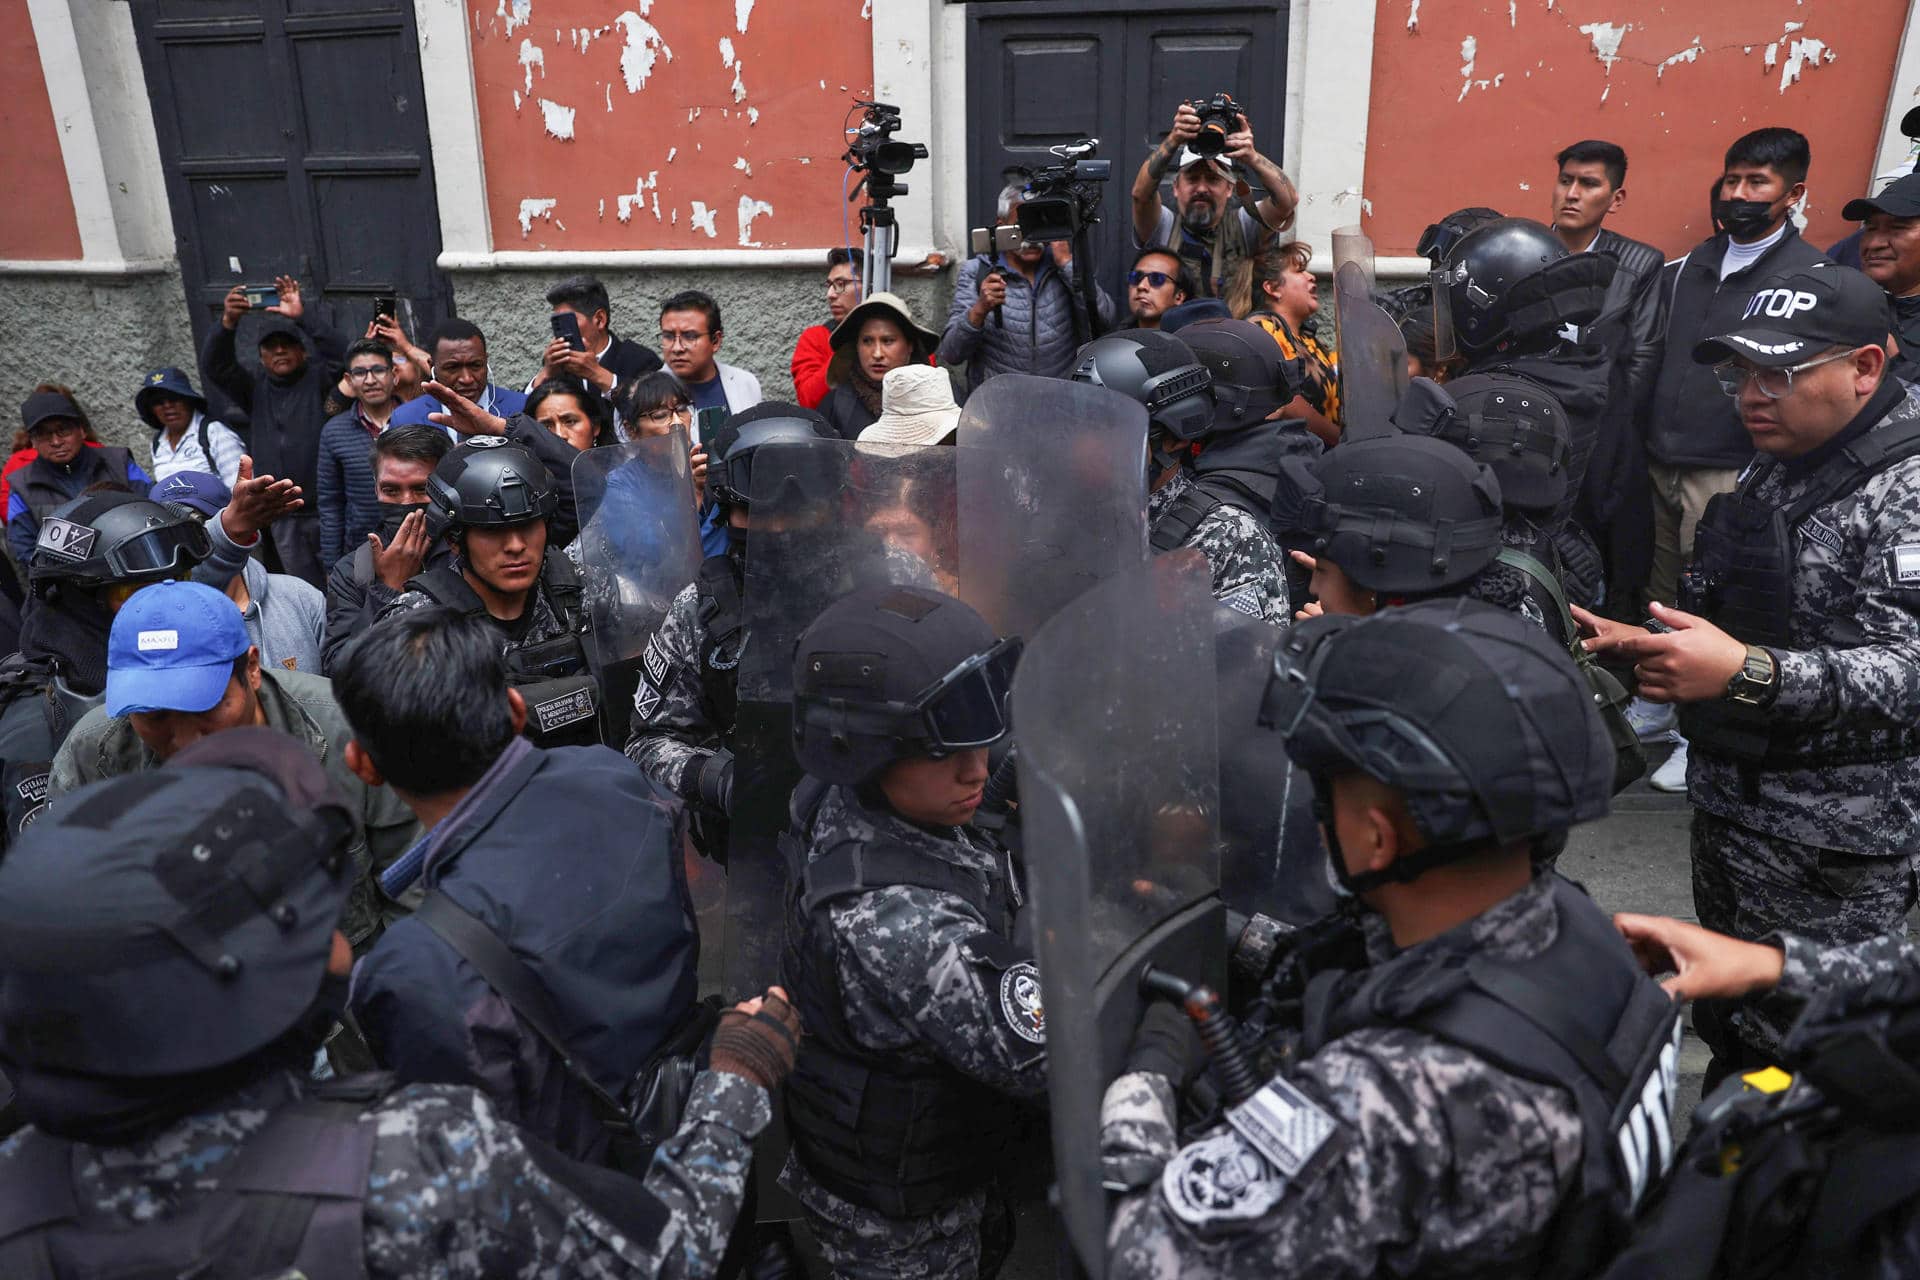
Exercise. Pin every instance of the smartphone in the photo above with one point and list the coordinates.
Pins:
(261, 295)
(567, 325)
(708, 421)
(384, 304)
(988, 241)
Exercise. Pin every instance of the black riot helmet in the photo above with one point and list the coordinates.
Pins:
(1515, 427)
(1437, 241)
(1512, 280)
(891, 672)
(1156, 369)
(173, 921)
(488, 482)
(1251, 379)
(1401, 515)
(102, 540)
(730, 449)
(1473, 714)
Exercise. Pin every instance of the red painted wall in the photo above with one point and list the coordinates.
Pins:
(713, 124)
(39, 222)
(1453, 126)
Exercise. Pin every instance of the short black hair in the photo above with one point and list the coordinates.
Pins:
(1785, 151)
(1182, 276)
(592, 403)
(369, 347)
(843, 255)
(648, 392)
(454, 329)
(419, 443)
(425, 693)
(584, 294)
(1594, 151)
(695, 300)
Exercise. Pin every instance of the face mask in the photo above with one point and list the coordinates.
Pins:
(1743, 219)
(1335, 866)
(392, 513)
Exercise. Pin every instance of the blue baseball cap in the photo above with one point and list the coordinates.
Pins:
(172, 648)
(201, 492)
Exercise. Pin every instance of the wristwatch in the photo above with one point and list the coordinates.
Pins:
(1757, 680)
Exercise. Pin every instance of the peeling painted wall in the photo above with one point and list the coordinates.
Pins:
(42, 224)
(667, 125)
(1472, 98)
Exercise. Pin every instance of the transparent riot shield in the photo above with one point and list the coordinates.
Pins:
(828, 516)
(1114, 707)
(1052, 495)
(639, 547)
(1373, 353)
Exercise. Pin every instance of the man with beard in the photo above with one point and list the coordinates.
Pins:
(1211, 225)
(1890, 255)
(1158, 282)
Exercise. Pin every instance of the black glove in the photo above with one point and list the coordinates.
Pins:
(1167, 1043)
(711, 783)
(760, 1047)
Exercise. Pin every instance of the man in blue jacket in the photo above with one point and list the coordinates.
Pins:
(568, 856)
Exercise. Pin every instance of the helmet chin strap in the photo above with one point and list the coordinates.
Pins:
(1404, 869)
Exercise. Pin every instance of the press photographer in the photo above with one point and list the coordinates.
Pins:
(1214, 223)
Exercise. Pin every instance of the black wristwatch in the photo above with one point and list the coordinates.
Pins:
(1757, 681)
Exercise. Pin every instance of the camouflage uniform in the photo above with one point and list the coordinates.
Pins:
(1825, 850)
(1429, 1160)
(912, 985)
(1249, 568)
(452, 1191)
(1810, 966)
(673, 719)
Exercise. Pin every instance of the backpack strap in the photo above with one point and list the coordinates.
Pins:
(1534, 568)
(444, 586)
(206, 445)
(1870, 454)
(1177, 523)
(853, 867)
(563, 586)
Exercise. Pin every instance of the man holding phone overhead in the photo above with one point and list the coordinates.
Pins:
(584, 344)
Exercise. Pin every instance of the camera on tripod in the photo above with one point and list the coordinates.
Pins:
(1219, 116)
(1064, 199)
(875, 152)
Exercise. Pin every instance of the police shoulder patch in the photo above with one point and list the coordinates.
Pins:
(646, 700)
(1020, 1002)
(1220, 1179)
(654, 660)
(1243, 599)
(1903, 564)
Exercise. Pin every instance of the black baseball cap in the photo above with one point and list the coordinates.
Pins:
(1901, 199)
(1797, 314)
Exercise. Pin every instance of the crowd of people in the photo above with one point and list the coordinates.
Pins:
(446, 821)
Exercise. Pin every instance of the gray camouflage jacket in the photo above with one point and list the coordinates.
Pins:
(452, 1191)
(670, 725)
(1858, 557)
(1249, 570)
(1390, 1187)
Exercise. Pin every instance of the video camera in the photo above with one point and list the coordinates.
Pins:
(1219, 116)
(874, 151)
(1063, 199)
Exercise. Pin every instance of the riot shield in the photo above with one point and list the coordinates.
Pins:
(1114, 704)
(639, 547)
(828, 516)
(1052, 495)
(1373, 353)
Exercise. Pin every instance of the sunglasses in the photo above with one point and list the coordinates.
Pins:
(1158, 279)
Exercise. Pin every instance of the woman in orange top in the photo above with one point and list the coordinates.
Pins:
(1283, 294)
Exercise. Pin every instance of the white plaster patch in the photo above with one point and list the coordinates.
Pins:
(624, 205)
(516, 102)
(1689, 54)
(742, 10)
(531, 56)
(753, 116)
(1526, 186)
(519, 16)
(557, 119)
(671, 153)
(1513, 13)
(740, 163)
(531, 209)
(1606, 37)
(1413, 15)
(609, 97)
(1807, 52)
(603, 209)
(749, 210)
(1469, 53)
(739, 85)
(701, 218)
(726, 51)
(644, 48)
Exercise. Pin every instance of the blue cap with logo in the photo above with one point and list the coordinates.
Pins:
(201, 492)
(172, 648)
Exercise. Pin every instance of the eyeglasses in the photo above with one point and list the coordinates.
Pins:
(1158, 279)
(56, 429)
(685, 338)
(1774, 384)
(367, 373)
(668, 414)
(841, 286)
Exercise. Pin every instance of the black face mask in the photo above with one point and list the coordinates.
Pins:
(391, 514)
(1743, 219)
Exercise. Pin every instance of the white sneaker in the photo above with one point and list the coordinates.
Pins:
(1672, 776)
(1654, 721)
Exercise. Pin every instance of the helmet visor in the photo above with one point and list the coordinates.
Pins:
(731, 480)
(967, 707)
(1444, 346)
(162, 550)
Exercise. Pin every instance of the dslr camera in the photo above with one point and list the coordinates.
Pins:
(1219, 116)
(1063, 199)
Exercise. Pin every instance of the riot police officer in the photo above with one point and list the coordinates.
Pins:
(1796, 660)
(161, 1042)
(91, 554)
(494, 503)
(1477, 1082)
(685, 702)
(1203, 505)
(923, 1014)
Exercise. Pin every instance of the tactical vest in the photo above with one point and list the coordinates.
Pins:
(1211, 261)
(290, 1203)
(553, 676)
(1239, 470)
(902, 1138)
(36, 482)
(721, 613)
(1579, 1016)
(37, 711)
(1742, 580)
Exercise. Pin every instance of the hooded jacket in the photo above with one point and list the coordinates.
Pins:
(284, 439)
